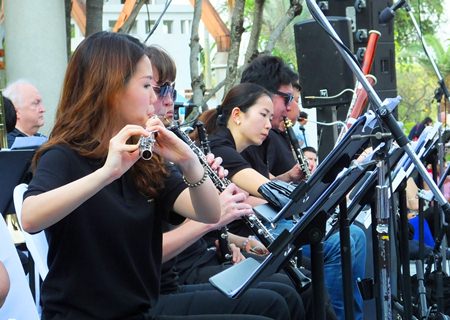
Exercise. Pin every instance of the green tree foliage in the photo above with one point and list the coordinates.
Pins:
(427, 13)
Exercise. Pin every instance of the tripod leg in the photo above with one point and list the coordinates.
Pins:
(346, 260)
(404, 254)
(318, 282)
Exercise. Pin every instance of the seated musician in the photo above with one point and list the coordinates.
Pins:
(240, 134)
(188, 257)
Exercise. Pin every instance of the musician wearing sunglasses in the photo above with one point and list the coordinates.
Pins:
(189, 260)
(274, 75)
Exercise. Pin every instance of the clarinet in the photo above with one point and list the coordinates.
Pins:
(296, 150)
(222, 232)
(252, 221)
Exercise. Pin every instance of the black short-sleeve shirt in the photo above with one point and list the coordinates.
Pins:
(223, 145)
(274, 152)
(104, 257)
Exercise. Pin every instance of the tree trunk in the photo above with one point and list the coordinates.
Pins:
(68, 11)
(196, 78)
(94, 15)
(237, 23)
(252, 49)
(294, 10)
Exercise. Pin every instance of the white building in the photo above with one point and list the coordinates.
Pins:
(173, 32)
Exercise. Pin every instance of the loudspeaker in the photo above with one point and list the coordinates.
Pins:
(363, 15)
(323, 72)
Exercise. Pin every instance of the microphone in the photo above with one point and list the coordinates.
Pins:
(182, 109)
(388, 13)
(188, 105)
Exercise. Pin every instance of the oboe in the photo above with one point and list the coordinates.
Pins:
(223, 232)
(252, 221)
(295, 147)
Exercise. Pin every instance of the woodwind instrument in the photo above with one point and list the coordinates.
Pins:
(222, 233)
(3, 132)
(252, 221)
(295, 147)
(360, 97)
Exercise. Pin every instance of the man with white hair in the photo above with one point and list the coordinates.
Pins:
(29, 109)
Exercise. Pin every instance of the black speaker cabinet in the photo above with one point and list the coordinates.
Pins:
(363, 15)
(322, 70)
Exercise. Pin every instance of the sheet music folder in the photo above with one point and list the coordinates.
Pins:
(235, 280)
(339, 158)
(13, 167)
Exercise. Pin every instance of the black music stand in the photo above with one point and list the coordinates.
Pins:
(305, 194)
(309, 229)
(14, 166)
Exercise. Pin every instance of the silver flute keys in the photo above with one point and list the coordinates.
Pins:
(146, 146)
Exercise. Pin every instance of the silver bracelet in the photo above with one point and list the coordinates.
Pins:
(198, 183)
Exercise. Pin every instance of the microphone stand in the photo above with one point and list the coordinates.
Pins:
(383, 109)
(441, 90)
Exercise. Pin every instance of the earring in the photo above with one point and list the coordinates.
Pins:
(238, 122)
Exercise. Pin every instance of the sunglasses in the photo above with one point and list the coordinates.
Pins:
(288, 97)
(165, 90)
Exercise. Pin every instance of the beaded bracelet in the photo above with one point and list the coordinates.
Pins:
(198, 183)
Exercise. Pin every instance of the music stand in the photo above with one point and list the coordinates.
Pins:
(14, 165)
(365, 189)
(305, 194)
(309, 229)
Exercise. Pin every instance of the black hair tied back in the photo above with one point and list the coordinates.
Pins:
(220, 117)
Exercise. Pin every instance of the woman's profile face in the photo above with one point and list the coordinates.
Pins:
(255, 122)
(135, 103)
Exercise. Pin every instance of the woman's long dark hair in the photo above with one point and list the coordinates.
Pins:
(96, 75)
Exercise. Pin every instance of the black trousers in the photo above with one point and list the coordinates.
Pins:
(203, 273)
(274, 301)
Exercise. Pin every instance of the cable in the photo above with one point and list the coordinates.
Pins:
(331, 97)
(168, 2)
(334, 123)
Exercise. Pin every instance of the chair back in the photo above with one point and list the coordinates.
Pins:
(19, 303)
(36, 243)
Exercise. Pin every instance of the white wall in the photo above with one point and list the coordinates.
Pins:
(174, 41)
(35, 48)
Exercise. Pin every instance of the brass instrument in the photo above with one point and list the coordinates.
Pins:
(296, 150)
(3, 132)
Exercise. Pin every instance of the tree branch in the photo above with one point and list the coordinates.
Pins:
(294, 10)
(237, 23)
(196, 78)
(252, 49)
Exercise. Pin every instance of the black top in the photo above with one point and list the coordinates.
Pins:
(223, 145)
(275, 152)
(17, 133)
(104, 257)
(178, 269)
